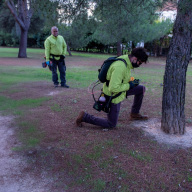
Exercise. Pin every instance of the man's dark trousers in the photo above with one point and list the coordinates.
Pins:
(62, 69)
(113, 115)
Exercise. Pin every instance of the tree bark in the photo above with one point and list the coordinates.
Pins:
(68, 50)
(155, 48)
(119, 52)
(173, 114)
(23, 44)
(22, 17)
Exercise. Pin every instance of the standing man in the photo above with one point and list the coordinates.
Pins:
(119, 81)
(55, 51)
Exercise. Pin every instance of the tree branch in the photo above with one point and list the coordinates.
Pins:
(12, 9)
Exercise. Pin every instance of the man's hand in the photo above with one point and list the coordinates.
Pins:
(48, 63)
(134, 83)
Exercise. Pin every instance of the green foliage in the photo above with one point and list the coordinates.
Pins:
(121, 20)
(6, 39)
(128, 21)
(10, 30)
(46, 11)
(7, 30)
(7, 21)
(42, 16)
(76, 33)
(40, 38)
(156, 30)
(112, 21)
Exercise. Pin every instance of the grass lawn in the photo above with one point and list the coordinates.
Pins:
(13, 52)
(89, 158)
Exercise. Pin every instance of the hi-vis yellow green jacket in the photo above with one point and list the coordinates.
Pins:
(119, 76)
(56, 46)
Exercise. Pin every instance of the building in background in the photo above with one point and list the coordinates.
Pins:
(169, 11)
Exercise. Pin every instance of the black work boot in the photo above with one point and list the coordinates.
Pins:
(65, 86)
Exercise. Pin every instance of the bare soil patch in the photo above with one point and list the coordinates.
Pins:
(63, 142)
(153, 129)
(136, 156)
(15, 175)
(36, 61)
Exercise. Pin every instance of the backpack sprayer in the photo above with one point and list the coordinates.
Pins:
(103, 103)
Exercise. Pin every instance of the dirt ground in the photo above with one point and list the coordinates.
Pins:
(51, 165)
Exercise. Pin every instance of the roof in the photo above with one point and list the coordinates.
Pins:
(169, 6)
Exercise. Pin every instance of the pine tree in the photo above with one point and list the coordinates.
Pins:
(173, 105)
(124, 19)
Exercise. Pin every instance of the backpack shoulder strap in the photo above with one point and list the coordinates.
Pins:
(120, 59)
(116, 59)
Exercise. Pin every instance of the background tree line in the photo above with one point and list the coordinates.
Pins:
(104, 27)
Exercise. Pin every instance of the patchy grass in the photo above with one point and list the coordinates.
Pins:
(87, 158)
(92, 55)
(9, 105)
(76, 77)
(13, 52)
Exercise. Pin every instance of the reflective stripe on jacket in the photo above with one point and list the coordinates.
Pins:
(118, 76)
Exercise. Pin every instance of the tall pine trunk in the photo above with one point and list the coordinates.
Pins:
(173, 105)
(23, 44)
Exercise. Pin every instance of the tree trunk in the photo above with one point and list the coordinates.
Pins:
(68, 50)
(155, 48)
(23, 44)
(173, 114)
(22, 17)
(122, 50)
(119, 53)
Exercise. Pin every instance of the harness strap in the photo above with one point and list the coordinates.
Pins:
(61, 58)
(55, 55)
(113, 97)
(109, 98)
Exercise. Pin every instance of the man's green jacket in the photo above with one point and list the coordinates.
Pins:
(56, 46)
(119, 76)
